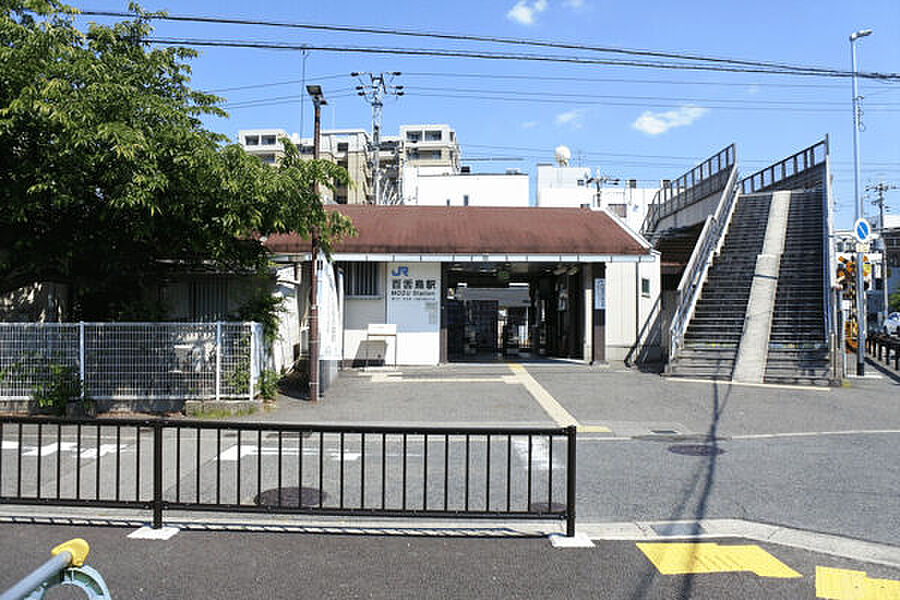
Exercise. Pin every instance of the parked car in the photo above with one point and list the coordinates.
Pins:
(892, 324)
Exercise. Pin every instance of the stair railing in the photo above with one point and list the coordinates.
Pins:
(833, 337)
(708, 245)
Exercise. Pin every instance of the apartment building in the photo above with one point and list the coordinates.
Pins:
(431, 149)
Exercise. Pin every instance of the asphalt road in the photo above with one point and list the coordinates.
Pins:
(197, 564)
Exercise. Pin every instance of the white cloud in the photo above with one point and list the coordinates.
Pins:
(654, 123)
(524, 12)
(529, 124)
(573, 3)
(572, 118)
(753, 89)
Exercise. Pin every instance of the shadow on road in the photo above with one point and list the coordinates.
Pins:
(701, 482)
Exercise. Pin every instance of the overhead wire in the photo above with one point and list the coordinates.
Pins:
(486, 55)
(643, 53)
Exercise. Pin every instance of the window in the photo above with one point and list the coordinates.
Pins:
(466, 200)
(267, 158)
(413, 136)
(413, 154)
(268, 140)
(343, 146)
(432, 136)
(581, 183)
(645, 287)
(251, 140)
(360, 279)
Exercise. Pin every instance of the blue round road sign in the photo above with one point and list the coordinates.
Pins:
(862, 230)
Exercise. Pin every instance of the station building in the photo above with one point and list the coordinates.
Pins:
(422, 285)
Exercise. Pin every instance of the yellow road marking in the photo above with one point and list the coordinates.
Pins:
(553, 408)
(843, 584)
(707, 557)
(593, 429)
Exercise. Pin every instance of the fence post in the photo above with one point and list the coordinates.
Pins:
(570, 481)
(81, 369)
(253, 342)
(218, 360)
(158, 474)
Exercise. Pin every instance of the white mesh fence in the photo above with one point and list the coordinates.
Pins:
(123, 361)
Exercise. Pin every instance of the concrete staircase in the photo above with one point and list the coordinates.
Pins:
(713, 336)
(798, 348)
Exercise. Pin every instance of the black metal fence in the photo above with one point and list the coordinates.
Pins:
(163, 465)
(884, 348)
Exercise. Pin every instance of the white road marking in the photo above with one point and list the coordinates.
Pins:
(53, 448)
(540, 453)
(231, 453)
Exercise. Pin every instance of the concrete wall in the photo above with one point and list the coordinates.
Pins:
(633, 324)
(691, 215)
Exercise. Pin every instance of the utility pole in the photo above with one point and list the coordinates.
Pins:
(880, 188)
(860, 293)
(318, 99)
(373, 87)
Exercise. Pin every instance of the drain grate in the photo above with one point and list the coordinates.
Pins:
(291, 496)
(696, 450)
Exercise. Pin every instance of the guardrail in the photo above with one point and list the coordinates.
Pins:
(161, 465)
(883, 348)
(702, 181)
(694, 276)
(792, 166)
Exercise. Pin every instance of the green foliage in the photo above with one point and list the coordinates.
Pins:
(264, 308)
(268, 384)
(894, 302)
(108, 180)
(61, 386)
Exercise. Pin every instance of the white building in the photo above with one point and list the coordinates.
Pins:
(463, 189)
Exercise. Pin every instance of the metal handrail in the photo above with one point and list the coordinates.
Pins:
(829, 279)
(700, 182)
(708, 244)
(65, 567)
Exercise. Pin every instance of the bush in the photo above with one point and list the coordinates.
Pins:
(268, 384)
(63, 385)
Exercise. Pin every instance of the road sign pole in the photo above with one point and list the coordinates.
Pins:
(862, 231)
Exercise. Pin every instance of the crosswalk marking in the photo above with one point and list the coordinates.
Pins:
(843, 584)
(707, 557)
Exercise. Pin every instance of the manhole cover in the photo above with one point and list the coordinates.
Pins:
(543, 507)
(696, 450)
(291, 496)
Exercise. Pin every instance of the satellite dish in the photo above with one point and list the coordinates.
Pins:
(562, 155)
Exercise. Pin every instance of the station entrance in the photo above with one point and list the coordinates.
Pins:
(512, 310)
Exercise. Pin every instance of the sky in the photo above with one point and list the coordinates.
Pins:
(623, 121)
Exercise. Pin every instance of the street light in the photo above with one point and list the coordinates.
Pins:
(860, 293)
(315, 92)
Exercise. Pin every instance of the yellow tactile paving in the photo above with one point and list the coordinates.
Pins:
(843, 584)
(707, 557)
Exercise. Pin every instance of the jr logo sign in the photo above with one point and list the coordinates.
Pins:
(401, 272)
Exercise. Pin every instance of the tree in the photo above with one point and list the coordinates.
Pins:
(108, 179)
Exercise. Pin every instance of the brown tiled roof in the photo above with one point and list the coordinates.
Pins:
(474, 230)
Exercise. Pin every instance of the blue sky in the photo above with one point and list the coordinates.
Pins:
(627, 122)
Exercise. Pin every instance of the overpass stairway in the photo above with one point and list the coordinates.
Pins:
(714, 332)
(798, 348)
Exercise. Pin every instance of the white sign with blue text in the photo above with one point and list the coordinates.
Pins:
(414, 304)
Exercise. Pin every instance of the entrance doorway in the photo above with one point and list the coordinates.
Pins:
(513, 310)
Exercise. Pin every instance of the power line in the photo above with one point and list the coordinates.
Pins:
(781, 67)
(521, 57)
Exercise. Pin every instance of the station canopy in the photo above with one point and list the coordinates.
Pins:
(477, 234)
